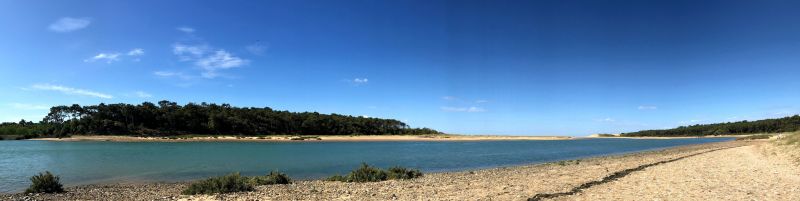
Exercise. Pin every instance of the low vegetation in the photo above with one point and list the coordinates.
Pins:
(792, 139)
(274, 177)
(569, 162)
(224, 184)
(398, 172)
(786, 124)
(45, 183)
(366, 173)
(235, 182)
(305, 138)
(606, 135)
(755, 137)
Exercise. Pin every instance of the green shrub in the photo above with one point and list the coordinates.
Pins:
(224, 184)
(274, 177)
(366, 173)
(337, 178)
(45, 183)
(755, 137)
(403, 173)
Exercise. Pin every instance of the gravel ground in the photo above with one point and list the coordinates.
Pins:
(517, 183)
(741, 173)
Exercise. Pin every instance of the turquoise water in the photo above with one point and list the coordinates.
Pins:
(112, 162)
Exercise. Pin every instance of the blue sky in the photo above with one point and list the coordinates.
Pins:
(471, 67)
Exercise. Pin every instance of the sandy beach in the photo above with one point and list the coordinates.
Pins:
(285, 138)
(734, 170)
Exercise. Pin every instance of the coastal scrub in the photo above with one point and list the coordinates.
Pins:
(45, 183)
(274, 177)
(366, 173)
(225, 184)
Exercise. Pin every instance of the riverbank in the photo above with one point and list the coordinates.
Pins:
(733, 170)
(617, 136)
(285, 138)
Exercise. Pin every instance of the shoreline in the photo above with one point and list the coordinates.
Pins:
(502, 183)
(344, 138)
(302, 138)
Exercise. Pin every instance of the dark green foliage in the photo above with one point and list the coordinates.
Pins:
(754, 137)
(224, 184)
(306, 138)
(337, 178)
(45, 183)
(786, 124)
(403, 173)
(274, 177)
(24, 130)
(366, 173)
(170, 119)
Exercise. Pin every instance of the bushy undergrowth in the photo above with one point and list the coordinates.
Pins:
(224, 184)
(274, 177)
(235, 183)
(398, 172)
(45, 183)
(790, 139)
(755, 137)
(366, 173)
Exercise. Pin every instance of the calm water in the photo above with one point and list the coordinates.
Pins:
(106, 162)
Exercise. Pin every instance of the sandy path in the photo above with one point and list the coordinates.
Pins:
(741, 173)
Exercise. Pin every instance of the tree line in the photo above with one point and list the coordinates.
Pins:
(168, 118)
(786, 124)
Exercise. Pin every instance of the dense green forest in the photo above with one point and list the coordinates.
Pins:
(786, 124)
(168, 118)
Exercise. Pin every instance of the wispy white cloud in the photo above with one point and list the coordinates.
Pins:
(463, 109)
(136, 52)
(110, 57)
(68, 24)
(209, 62)
(647, 107)
(27, 106)
(220, 60)
(361, 80)
(142, 94)
(481, 101)
(693, 121)
(257, 48)
(172, 74)
(189, 52)
(70, 90)
(185, 29)
(107, 57)
(449, 98)
(357, 81)
(607, 119)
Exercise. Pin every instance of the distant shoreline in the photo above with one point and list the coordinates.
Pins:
(675, 137)
(303, 138)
